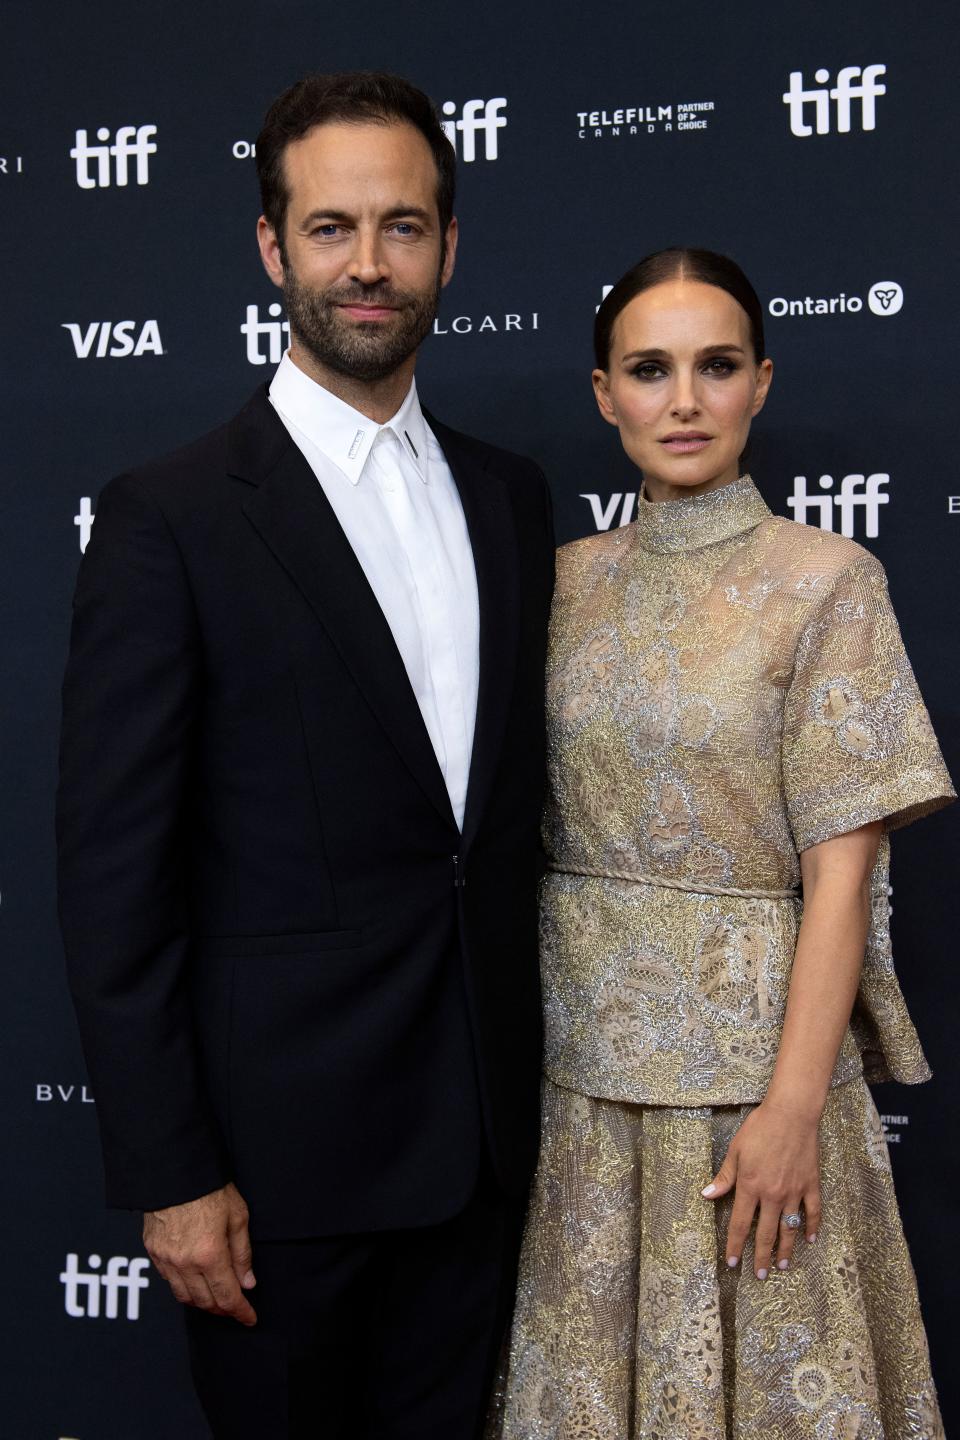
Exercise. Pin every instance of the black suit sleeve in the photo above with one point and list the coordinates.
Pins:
(130, 701)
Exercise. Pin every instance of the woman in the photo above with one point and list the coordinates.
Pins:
(713, 1246)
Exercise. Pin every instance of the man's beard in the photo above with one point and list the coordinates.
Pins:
(364, 350)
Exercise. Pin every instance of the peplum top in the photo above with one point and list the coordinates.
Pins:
(725, 688)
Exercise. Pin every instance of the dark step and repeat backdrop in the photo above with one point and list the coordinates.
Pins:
(813, 142)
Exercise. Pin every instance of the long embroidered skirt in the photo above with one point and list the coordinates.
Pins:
(630, 1326)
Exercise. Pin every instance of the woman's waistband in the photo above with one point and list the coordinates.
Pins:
(692, 887)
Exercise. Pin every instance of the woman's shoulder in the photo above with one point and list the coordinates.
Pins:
(579, 558)
(797, 550)
(582, 553)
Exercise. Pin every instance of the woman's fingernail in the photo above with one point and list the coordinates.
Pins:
(249, 1280)
(812, 1239)
(783, 1264)
(732, 1260)
(709, 1190)
(761, 1274)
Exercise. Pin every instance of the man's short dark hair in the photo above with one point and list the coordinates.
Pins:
(359, 97)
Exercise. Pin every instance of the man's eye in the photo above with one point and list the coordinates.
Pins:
(404, 227)
(327, 231)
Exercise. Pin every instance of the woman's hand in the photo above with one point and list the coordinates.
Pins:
(774, 1163)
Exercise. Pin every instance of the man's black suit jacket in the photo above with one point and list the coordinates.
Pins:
(289, 966)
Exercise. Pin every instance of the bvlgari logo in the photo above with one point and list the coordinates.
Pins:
(509, 323)
(620, 122)
(63, 1095)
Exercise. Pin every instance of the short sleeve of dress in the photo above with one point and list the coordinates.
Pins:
(858, 745)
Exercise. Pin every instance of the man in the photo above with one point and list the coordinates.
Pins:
(298, 821)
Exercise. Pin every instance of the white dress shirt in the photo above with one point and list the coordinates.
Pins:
(392, 491)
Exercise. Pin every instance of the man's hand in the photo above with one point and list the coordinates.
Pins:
(202, 1250)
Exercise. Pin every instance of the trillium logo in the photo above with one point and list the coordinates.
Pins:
(885, 298)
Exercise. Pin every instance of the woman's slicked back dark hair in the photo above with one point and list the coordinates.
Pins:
(358, 97)
(679, 262)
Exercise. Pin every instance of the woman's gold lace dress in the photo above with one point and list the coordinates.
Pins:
(725, 689)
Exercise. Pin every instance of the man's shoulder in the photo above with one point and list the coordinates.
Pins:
(205, 462)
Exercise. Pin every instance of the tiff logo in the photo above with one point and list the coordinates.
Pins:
(115, 338)
(120, 1274)
(133, 142)
(478, 115)
(857, 492)
(85, 523)
(844, 93)
(273, 329)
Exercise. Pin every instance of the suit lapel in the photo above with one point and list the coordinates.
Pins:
(491, 525)
(293, 517)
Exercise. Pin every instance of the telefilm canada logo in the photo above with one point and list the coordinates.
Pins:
(114, 339)
(852, 98)
(620, 122)
(96, 1291)
(884, 298)
(132, 143)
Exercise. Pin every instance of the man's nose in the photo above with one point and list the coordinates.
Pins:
(367, 263)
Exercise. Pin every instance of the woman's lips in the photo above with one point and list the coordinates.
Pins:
(685, 442)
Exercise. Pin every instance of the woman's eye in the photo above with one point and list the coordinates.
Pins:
(720, 366)
(647, 370)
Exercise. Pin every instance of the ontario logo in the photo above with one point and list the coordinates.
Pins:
(885, 297)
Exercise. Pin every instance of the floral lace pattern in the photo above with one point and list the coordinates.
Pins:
(629, 1326)
(725, 688)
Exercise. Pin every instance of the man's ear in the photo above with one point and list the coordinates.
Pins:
(270, 250)
(601, 389)
(450, 251)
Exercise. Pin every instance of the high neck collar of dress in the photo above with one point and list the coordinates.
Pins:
(695, 521)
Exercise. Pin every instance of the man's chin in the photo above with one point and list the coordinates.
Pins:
(364, 368)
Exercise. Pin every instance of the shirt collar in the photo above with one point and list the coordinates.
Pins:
(343, 434)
